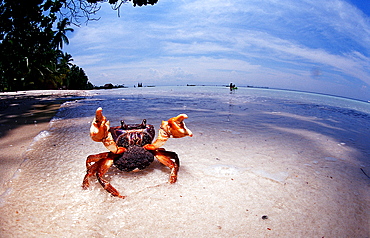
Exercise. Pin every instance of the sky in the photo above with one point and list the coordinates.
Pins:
(309, 45)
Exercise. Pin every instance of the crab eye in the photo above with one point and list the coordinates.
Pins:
(123, 125)
(143, 124)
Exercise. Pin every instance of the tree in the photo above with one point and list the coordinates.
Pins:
(60, 34)
(64, 60)
(26, 35)
(30, 47)
(75, 10)
(77, 79)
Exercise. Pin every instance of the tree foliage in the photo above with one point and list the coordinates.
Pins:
(82, 83)
(31, 39)
(60, 35)
(32, 34)
(120, 2)
(77, 10)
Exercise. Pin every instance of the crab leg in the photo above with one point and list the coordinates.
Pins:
(98, 165)
(92, 164)
(99, 132)
(106, 185)
(166, 157)
(173, 128)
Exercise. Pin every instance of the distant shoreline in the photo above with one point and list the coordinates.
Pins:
(63, 93)
(245, 87)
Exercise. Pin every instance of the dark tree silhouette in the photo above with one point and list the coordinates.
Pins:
(25, 47)
(30, 47)
(60, 34)
(65, 60)
(77, 79)
(135, 2)
(77, 10)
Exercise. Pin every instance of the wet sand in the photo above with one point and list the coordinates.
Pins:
(23, 115)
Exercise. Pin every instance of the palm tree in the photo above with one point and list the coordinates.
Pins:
(60, 34)
(65, 60)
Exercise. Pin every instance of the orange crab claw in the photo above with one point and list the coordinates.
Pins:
(99, 127)
(99, 132)
(173, 128)
(177, 128)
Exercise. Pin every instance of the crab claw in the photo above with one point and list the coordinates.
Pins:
(99, 132)
(173, 128)
(177, 128)
(99, 127)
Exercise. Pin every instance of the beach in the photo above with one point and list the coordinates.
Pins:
(24, 115)
(261, 163)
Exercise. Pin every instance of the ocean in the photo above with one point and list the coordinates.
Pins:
(261, 163)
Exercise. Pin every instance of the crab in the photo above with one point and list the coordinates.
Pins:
(131, 149)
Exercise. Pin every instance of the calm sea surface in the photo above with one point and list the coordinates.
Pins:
(191, 99)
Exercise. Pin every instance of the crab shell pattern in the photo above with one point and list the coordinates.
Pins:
(131, 149)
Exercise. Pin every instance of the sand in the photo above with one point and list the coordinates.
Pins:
(23, 115)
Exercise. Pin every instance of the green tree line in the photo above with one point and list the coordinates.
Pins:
(31, 42)
(32, 35)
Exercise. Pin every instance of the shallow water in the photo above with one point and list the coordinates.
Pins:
(299, 159)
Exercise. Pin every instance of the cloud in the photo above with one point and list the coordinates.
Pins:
(351, 63)
(267, 42)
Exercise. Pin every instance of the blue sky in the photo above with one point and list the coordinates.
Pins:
(310, 45)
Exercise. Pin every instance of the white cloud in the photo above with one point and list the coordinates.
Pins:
(353, 63)
(267, 41)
